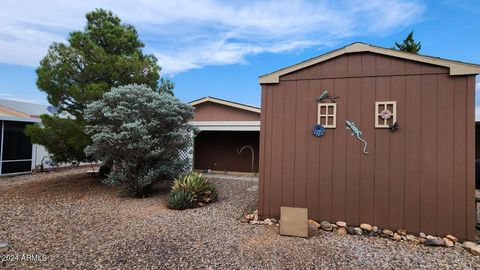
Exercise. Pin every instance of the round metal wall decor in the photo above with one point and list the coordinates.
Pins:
(386, 114)
(318, 130)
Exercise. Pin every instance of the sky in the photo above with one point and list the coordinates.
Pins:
(219, 48)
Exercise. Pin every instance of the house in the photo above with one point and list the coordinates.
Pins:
(17, 154)
(223, 128)
(412, 165)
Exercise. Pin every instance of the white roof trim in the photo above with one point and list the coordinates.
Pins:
(20, 119)
(456, 68)
(226, 103)
(227, 125)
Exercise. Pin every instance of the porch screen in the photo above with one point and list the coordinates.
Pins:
(16, 152)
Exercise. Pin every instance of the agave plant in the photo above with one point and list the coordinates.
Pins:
(180, 199)
(203, 192)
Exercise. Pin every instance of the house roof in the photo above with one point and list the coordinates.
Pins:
(24, 108)
(456, 67)
(226, 103)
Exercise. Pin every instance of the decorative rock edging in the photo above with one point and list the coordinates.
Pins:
(368, 230)
(364, 229)
(253, 219)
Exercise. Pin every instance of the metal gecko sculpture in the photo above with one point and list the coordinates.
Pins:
(357, 133)
(326, 95)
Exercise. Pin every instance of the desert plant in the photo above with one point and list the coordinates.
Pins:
(180, 199)
(203, 192)
(142, 133)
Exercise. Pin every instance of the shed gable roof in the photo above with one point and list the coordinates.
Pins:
(225, 103)
(455, 67)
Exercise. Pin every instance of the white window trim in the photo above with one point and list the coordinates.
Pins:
(327, 116)
(385, 105)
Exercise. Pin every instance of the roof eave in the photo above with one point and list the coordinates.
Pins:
(456, 68)
(226, 103)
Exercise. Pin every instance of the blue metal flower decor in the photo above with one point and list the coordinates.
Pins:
(318, 130)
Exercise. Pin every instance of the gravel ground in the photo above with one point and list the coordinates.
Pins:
(78, 223)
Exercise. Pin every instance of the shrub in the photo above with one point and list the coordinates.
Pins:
(142, 133)
(180, 199)
(201, 190)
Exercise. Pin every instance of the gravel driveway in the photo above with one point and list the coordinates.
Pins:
(78, 223)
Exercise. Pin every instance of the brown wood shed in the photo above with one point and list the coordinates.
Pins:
(223, 128)
(420, 177)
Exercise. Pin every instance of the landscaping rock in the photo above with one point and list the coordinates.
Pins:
(314, 223)
(4, 245)
(326, 225)
(342, 231)
(312, 230)
(375, 228)
(402, 232)
(472, 247)
(351, 230)
(429, 237)
(435, 242)
(404, 238)
(274, 220)
(341, 224)
(422, 235)
(422, 240)
(411, 237)
(268, 221)
(366, 227)
(388, 232)
(396, 237)
(448, 242)
(451, 238)
(358, 231)
(255, 215)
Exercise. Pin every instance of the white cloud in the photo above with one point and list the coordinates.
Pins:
(192, 34)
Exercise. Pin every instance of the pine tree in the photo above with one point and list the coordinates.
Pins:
(409, 45)
(106, 54)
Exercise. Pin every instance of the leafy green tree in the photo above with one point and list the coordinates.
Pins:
(141, 132)
(106, 54)
(408, 45)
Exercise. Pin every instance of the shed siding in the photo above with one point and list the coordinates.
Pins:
(420, 177)
(210, 111)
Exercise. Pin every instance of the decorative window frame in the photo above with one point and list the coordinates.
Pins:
(323, 118)
(379, 107)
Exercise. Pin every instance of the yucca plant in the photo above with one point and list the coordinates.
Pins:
(203, 192)
(180, 199)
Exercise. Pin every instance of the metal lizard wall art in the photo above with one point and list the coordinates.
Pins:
(357, 133)
(326, 95)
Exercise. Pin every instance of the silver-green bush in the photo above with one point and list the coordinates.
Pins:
(141, 132)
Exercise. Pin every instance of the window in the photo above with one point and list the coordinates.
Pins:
(327, 115)
(385, 114)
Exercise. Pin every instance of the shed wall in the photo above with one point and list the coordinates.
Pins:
(210, 111)
(420, 177)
